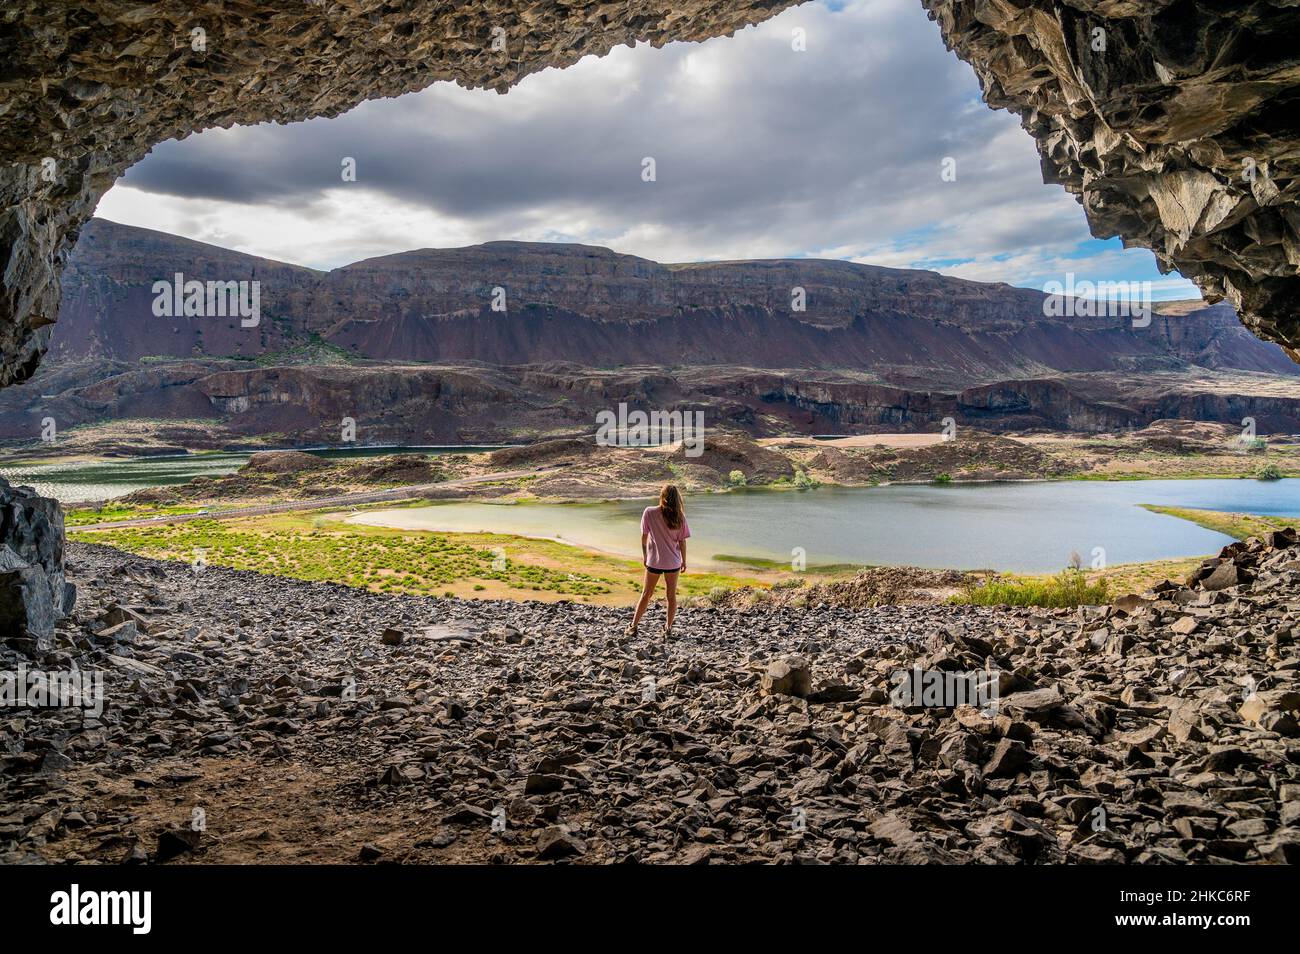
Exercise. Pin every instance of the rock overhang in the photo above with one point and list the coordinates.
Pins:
(1175, 122)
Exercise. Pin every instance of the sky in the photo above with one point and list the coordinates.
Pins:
(760, 150)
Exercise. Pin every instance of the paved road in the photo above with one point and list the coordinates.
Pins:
(316, 503)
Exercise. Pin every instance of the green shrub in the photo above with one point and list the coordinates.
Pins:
(943, 478)
(1068, 588)
(803, 481)
(1269, 472)
(736, 478)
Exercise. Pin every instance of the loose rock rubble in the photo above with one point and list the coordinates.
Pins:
(1160, 729)
(874, 586)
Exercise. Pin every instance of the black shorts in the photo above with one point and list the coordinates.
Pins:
(650, 569)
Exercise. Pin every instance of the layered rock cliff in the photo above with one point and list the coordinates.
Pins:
(875, 349)
(215, 404)
(596, 308)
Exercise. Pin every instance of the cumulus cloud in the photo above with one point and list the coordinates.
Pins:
(760, 151)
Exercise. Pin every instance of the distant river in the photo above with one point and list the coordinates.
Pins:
(103, 480)
(1021, 527)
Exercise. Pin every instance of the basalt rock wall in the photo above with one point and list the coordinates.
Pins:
(1175, 122)
(33, 590)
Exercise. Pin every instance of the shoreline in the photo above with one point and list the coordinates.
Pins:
(1168, 449)
(569, 499)
(277, 544)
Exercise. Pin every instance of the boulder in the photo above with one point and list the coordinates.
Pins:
(1223, 576)
(791, 676)
(26, 609)
(31, 535)
(1274, 710)
(556, 843)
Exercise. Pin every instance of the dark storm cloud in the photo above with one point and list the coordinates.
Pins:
(760, 151)
(748, 135)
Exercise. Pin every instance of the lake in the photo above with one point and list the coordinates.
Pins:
(78, 482)
(1020, 527)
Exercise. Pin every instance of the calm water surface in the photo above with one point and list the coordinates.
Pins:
(103, 480)
(1025, 527)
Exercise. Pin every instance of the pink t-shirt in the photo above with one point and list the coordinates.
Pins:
(663, 549)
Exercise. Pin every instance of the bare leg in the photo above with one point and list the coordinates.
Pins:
(647, 593)
(670, 581)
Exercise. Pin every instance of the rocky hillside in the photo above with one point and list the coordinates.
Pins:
(409, 347)
(593, 307)
(211, 404)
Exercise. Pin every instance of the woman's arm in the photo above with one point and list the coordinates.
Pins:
(644, 538)
(683, 547)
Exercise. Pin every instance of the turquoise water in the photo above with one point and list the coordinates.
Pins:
(1023, 527)
(103, 480)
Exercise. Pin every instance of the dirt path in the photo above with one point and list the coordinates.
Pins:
(262, 810)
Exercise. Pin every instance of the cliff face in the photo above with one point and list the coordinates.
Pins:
(597, 308)
(396, 404)
(585, 328)
(107, 307)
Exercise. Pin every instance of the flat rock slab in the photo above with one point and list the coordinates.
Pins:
(451, 633)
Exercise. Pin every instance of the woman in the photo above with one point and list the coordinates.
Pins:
(663, 551)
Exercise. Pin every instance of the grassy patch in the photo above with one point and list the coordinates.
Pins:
(1192, 466)
(1070, 587)
(110, 512)
(1236, 525)
(762, 563)
(317, 546)
(1140, 577)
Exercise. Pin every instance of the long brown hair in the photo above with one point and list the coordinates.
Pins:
(670, 505)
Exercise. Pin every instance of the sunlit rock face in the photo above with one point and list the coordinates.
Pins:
(1152, 132)
(1176, 122)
